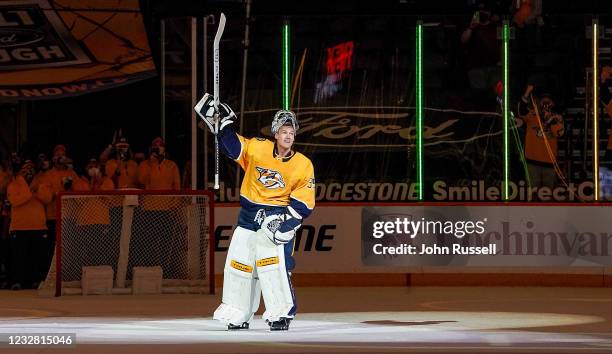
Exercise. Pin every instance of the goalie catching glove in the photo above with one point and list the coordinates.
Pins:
(281, 228)
(205, 108)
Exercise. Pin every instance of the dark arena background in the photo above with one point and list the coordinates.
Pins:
(462, 151)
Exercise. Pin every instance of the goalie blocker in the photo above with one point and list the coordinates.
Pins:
(205, 108)
(276, 195)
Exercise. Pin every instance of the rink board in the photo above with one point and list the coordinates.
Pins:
(331, 243)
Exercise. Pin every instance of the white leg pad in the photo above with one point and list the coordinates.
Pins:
(240, 290)
(270, 262)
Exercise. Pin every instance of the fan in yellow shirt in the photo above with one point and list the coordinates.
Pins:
(28, 230)
(122, 169)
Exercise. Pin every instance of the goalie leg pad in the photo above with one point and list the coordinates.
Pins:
(239, 283)
(274, 279)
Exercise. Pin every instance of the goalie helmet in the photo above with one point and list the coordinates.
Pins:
(284, 117)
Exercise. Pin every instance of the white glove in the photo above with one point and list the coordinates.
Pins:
(281, 228)
(205, 108)
(282, 238)
(270, 225)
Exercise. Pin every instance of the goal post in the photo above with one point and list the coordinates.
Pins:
(124, 229)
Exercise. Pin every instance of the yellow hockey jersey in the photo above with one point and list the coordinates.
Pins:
(270, 180)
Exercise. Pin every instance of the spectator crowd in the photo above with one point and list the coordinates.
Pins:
(30, 186)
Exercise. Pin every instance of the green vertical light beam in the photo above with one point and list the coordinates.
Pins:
(419, 109)
(506, 112)
(285, 76)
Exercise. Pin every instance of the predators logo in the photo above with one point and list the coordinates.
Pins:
(269, 178)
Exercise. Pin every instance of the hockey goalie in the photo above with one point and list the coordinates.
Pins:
(276, 195)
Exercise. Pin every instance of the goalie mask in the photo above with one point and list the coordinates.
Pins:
(284, 117)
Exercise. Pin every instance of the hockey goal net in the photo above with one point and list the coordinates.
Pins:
(124, 229)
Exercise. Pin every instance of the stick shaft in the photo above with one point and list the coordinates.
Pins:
(216, 162)
(216, 60)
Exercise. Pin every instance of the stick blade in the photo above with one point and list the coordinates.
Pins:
(216, 60)
(220, 29)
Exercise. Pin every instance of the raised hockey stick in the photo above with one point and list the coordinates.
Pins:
(216, 92)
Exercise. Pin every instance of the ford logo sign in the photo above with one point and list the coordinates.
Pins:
(15, 37)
